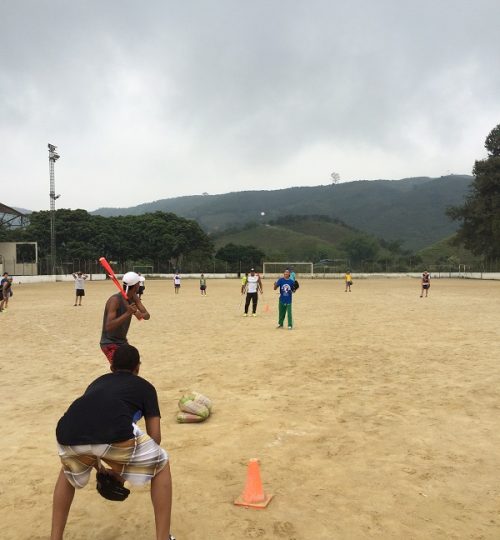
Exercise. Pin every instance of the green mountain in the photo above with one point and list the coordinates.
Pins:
(411, 210)
(304, 239)
(445, 252)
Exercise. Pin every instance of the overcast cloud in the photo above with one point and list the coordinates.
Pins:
(166, 98)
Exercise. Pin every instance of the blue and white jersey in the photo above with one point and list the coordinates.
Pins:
(286, 290)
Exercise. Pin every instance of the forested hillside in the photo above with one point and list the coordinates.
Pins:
(309, 238)
(412, 210)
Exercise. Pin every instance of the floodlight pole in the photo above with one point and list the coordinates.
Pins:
(53, 157)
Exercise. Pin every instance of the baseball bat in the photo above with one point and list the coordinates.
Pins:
(105, 264)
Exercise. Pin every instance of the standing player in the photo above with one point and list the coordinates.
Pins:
(8, 293)
(118, 314)
(286, 287)
(177, 283)
(5, 277)
(203, 285)
(348, 281)
(252, 286)
(426, 283)
(142, 285)
(5, 292)
(79, 287)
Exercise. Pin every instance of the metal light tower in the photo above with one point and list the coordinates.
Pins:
(53, 157)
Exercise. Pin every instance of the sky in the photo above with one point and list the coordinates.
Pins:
(161, 99)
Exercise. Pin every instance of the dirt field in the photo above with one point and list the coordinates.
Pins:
(376, 417)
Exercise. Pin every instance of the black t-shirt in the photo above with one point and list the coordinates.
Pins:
(104, 414)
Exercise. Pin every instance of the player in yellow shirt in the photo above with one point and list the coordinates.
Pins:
(348, 281)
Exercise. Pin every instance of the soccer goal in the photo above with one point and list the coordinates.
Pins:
(276, 269)
(464, 271)
(144, 270)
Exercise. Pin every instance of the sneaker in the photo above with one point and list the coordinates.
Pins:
(279, 326)
(245, 314)
(171, 537)
(289, 328)
(254, 314)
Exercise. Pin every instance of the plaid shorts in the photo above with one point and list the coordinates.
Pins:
(137, 460)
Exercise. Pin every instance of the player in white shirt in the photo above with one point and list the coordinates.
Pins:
(253, 286)
(142, 285)
(177, 282)
(79, 278)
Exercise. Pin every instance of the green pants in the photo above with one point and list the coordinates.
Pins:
(284, 309)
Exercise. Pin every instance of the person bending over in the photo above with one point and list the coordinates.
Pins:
(99, 431)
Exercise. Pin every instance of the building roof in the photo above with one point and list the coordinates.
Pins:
(9, 217)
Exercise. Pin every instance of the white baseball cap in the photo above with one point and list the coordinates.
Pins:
(130, 279)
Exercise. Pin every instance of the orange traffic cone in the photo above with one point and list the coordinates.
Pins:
(253, 495)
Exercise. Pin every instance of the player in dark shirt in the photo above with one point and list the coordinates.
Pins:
(101, 426)
(426, 283)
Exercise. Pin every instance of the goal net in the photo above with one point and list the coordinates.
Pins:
(464, 271)
(276, 269)
(144, 270)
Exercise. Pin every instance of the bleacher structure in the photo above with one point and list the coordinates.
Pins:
(11, 218)
(17, 258)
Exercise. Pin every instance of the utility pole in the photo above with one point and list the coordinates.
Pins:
(53, 157)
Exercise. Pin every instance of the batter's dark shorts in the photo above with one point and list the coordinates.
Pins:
(80, 292)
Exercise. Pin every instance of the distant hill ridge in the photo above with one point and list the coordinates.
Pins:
(411, 209)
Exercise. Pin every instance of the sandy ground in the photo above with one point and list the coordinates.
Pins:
(376, 417)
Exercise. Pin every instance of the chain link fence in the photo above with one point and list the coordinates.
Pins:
(185, 266)
(217, 266)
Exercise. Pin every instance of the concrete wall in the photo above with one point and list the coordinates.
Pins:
(187, 276)
(169, 277)
(102, 277)
(53, 279)
(10, 264)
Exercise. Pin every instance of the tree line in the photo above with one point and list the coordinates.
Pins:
(144, 239)
(148, 237)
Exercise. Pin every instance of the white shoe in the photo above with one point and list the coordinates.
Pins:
(279, 326)
(245, 314)
(289, 328)
(254, 314)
